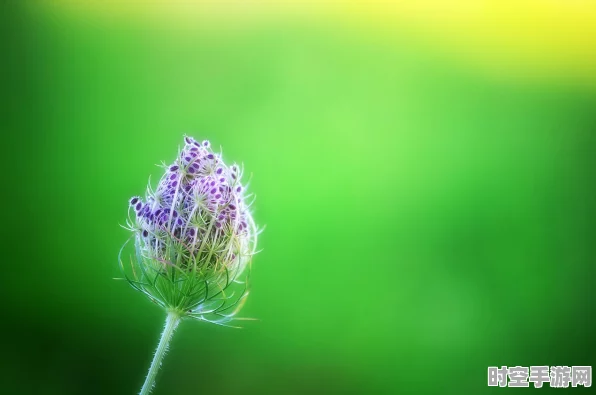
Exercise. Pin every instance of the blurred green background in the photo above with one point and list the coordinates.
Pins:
(424, 220)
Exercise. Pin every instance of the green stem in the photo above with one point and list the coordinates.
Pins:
(172, 321)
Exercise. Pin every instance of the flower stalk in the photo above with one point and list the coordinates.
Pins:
(172, 321)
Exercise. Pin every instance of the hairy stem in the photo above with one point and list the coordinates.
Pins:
(172, 321)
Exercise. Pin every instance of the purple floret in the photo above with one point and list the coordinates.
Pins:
(197, 194)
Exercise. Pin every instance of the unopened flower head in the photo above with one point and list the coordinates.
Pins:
(194, 236)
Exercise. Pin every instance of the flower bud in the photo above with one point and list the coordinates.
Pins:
(194, 237)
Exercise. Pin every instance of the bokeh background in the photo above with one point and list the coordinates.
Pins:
(425, 172)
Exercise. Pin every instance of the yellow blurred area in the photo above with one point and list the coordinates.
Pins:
(514, 38)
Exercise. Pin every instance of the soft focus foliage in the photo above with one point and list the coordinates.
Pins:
(424, 219)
